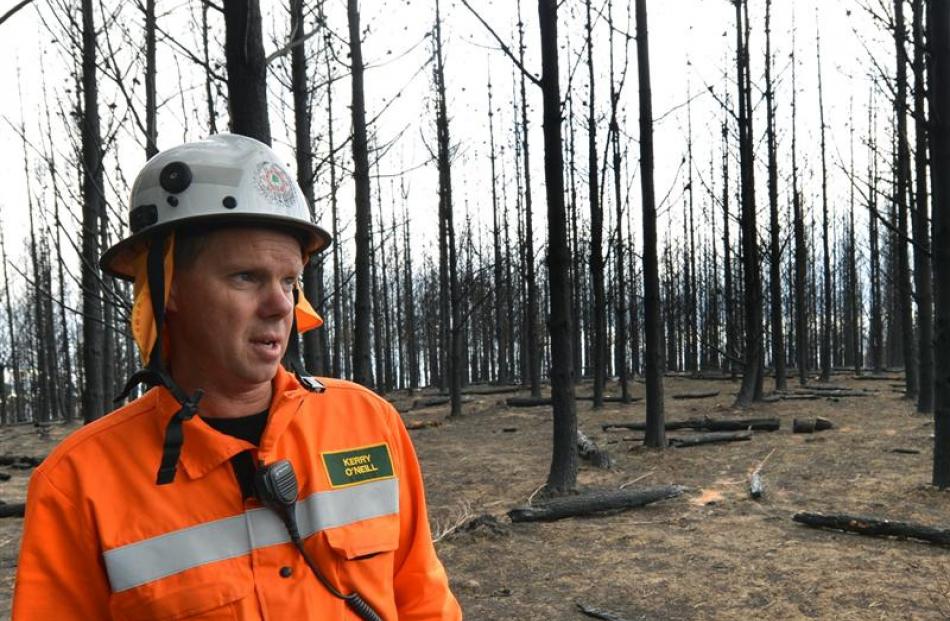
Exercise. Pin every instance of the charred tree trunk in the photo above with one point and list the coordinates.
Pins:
(339, 324)
(775, 282)
(14, 358)
(875, 321)
(825, 233)
(151, 108)
(801, 249)
(596, 230)
(729, 300)
(450, 284)
(247, 69)
(656, 429)
(501, 330)
(362, 371)
(563, 474)
(620, 355)
(751, 389)
(314, 342)
(533, 353)
(206, 57)
(939, 29)
(853, 289)
(411, 343)
(902, 166)
(922, 276)
(94, 390)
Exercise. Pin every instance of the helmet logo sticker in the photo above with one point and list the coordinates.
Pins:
(275, 185)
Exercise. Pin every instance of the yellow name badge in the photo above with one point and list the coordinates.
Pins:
(358, 465)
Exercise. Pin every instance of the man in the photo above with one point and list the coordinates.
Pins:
(184, 504)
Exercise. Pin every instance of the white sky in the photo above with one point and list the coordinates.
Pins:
(691, 42)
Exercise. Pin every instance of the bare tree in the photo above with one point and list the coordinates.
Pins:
(596, 229)
(825, 228)
(751, 389)
(94, 389)
(450, 299)
(775, 255)
(939, 28)
(563, 474)
(656, 426)
(921, 228)
(362, 370)
(247, 69)
(902, 187)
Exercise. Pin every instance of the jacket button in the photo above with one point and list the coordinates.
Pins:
(286, 572)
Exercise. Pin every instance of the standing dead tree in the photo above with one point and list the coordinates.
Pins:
(751, 389)
(93, 211)
(562, 476)
(825, 227)
(775, 254)
(939, 25)
(902, 187)
(450, 299)
(599, 350)
(656, 429)
(362, 368)
(921, 228)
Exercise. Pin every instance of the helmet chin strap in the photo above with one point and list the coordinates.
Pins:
(156, 374)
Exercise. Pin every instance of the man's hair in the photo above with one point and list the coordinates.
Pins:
(192, 239)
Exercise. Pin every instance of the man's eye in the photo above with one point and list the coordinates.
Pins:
(244, 277)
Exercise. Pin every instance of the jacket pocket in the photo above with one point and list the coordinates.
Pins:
(220, 600)
(365, 539)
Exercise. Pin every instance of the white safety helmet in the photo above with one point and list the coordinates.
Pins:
(227, 178)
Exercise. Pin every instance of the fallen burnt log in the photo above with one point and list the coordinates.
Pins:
(428, 402)
(597, 613)
(592, 503)
(14, 510)
(530, 402)
(709, 424)
(838, 392)
(476, 390)
(710, 438)
(25, 461)
(811, 425)
(414, 425)
(696, 395)
(874, 527)
(588, 450)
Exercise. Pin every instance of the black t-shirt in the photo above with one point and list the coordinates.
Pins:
(249, 428)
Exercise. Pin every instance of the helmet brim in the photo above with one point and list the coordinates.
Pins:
(118, 260)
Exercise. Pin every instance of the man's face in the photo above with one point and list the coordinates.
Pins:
(230, 312)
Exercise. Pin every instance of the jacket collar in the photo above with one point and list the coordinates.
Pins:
(205, 449)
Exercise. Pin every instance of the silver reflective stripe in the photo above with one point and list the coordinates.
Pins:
(137, 563)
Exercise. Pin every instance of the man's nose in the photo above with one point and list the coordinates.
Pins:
(278, 300)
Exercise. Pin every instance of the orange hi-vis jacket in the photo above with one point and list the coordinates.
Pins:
(102, 541)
